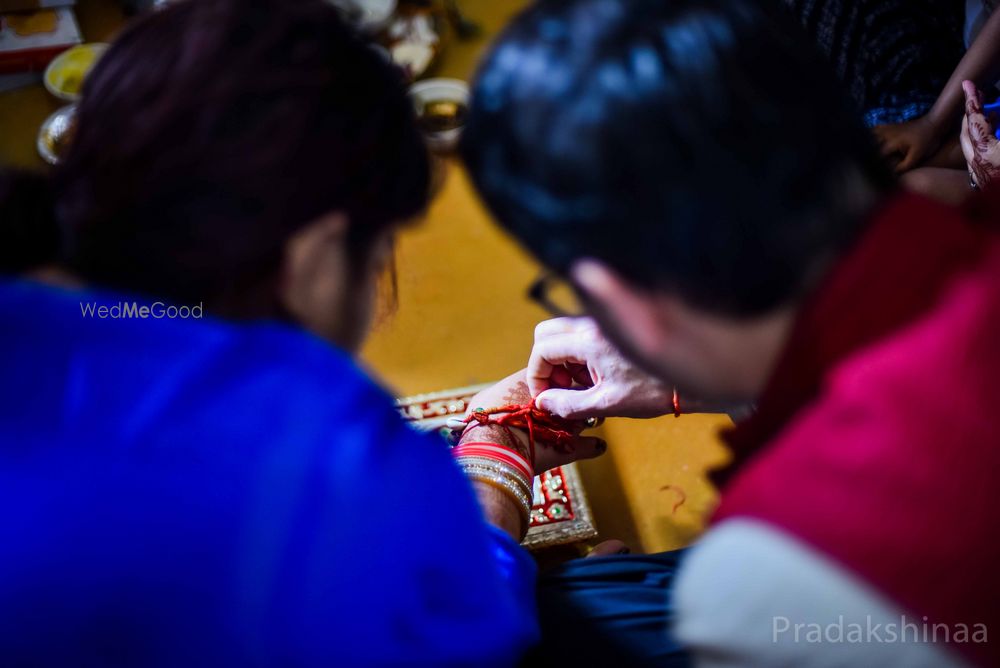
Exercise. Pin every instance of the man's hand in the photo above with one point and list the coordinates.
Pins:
(576, 373)
(913, 141)
(979, 145)
(514, 390)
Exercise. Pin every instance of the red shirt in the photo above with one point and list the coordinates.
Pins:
(878, 437)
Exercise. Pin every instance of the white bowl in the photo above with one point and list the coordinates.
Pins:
(435, 90)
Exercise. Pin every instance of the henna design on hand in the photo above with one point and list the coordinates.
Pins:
(984, 163)
(518, 394)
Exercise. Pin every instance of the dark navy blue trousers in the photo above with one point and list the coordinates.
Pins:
(614, 609)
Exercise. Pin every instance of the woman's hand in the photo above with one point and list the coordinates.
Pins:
(913, 141)
(576, 373)
(514, 390)
(979, 145)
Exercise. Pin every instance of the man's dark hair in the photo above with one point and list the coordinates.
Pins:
(699, 146)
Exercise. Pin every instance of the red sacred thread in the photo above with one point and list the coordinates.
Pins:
(541, 425)
(680, 501)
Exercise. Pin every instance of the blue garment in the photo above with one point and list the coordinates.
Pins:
(898, 109)
(201, 493)
(610, 611)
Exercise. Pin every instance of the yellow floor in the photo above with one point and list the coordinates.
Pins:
(463, 319)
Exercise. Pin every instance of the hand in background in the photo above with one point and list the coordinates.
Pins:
(913, 141)
(979, 145)
(576, 373)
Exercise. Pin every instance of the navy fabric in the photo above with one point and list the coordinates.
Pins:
(196, 492)
(612, 611)
(893, 56)
(899, 110)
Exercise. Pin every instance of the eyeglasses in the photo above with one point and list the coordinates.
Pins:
(557, 296)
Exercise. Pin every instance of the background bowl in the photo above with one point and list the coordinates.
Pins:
(56, 133)
(368, 16)
(432, 91)
(65, 74)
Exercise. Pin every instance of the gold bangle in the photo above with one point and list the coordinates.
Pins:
(522, 497)
(522, 490)
(510, 490)
(468, 462)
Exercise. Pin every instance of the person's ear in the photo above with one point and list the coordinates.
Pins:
(312, 252)
(310, 248)
(314, 267)
(641, 314)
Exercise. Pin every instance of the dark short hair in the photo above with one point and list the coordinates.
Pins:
(700, 146)
(212, 131)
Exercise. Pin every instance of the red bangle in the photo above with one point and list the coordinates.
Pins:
(495, 451)
(677, 403)
(491, 453)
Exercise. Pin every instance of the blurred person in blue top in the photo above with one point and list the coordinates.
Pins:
(193, 469)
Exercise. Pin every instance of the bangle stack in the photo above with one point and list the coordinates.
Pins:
(499, 467)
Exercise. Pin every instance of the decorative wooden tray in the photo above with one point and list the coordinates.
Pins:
(560, 513)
